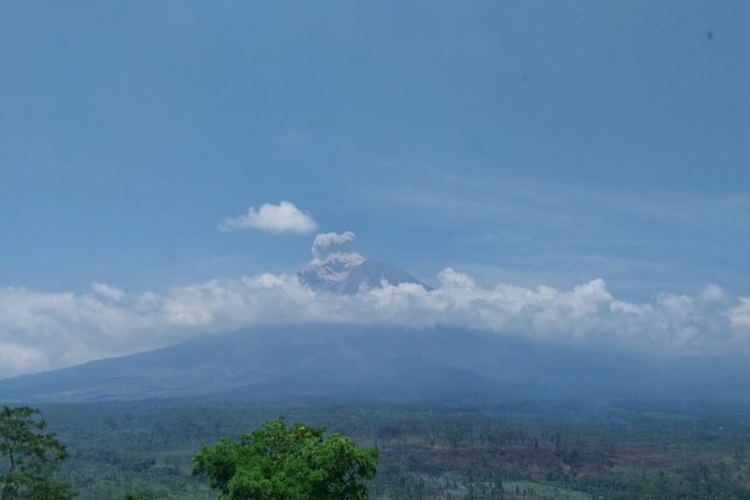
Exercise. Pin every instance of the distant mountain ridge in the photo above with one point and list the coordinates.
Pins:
(383, 364)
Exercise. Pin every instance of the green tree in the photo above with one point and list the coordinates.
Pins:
(280, 462)
(29, 457)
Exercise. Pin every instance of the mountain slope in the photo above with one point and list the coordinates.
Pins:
(383, 364)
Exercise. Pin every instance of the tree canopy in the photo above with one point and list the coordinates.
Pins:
(281, 462)
(29, 457)
(130, 495)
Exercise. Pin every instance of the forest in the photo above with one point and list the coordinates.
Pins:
(146, 449)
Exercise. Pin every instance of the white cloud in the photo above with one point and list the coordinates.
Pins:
(41, 331)
(282, 218)
(739, 316)
(713, 293)
(107, 291)
(17, 358)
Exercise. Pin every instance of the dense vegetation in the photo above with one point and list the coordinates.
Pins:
(147, 448)
(281, 462)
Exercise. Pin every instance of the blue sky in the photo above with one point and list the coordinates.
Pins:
(520, 142)
(127, 131)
